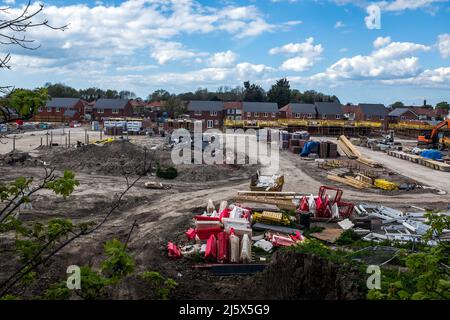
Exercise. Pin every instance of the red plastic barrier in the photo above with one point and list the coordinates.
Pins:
(211, 248)
(206, 218)
(224, 214)
(191, 233)
(204, 234)
(223, 247)
(304, 204)
(173, 250)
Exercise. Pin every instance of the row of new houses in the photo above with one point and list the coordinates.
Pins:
(213, 113)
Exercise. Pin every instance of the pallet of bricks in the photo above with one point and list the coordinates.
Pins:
(327, 150)
(296, 145)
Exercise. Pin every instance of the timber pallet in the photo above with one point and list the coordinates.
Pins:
(436, 165)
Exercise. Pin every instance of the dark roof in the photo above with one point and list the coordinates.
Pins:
(307, 108)
(268, 107)
(399, 111)
(328, 108)
(111, 103)
(197, 105)
(370, 109)
(66, 103)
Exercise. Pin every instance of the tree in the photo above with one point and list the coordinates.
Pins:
(60, 90)
(397, 104)
(253, 92)
(13, 32)
(443, 105)
(23, 104)
(175, 106)
(159, 95)
(111, 94)
(127, 95)
(280, 93)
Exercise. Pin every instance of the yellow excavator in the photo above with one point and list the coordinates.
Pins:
(436, 139)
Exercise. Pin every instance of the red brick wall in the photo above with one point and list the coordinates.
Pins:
(259, 117)
(108, 112)
(205, 116)
(54, 116)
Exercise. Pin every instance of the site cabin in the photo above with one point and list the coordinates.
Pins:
(402, 114)
(61, 110)
(111, 108)
(211, 113)
(259, 111)
(303, 111)
(329, 111)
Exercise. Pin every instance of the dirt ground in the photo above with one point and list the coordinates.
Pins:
(165, 215)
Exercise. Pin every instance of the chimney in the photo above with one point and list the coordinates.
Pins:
(424, 103)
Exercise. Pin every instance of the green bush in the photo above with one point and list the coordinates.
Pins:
(169, 173)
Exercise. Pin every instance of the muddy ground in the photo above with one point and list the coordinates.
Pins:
(162, 216)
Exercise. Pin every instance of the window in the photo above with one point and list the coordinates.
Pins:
(338, 116)
(249, 114)
(58, 109)
(40, 109)
(382, 118)
(324, 116)
(198, 113)
(255, 114)
(213, 113)
(297, 115)
(49, 109)
(115, 111)
(100, 110)
(209, 124)
(403, 118)
(369, 117)
(238, 111)
(274, 114)
(230, 111)
(230, 118)
(238, 117)
(266, 114)
(309, 116)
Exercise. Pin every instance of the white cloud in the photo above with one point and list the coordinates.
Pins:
(381, 41)
(222, 59)
(393, 61)
(339, 24)
(164, 52)
(444, 45)
(401, 5)
(304, 54)
(430, 78)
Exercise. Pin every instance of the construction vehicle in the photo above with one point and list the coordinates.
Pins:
(436, 139)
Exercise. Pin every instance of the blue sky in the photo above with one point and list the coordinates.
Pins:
(181, 45)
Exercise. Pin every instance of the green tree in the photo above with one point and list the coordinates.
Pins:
(26, 102)
(159, 95)
(280, 93)
(443, 105)
(253, 92)
(397, 104)
(59, 90)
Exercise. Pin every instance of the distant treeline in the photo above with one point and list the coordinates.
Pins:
(280, 93)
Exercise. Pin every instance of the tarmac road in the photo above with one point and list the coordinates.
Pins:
(428, 176)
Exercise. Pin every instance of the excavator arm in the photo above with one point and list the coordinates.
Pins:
(433, 137)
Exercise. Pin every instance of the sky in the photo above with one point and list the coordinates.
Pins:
(362, 51)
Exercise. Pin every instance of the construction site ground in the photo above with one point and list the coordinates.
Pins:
(165, 215)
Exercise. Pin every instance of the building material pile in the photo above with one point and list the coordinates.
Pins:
(259, 182)
(353, 153)
(433, 164)
(395, 225)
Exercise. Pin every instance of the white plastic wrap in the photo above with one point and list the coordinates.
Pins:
(246, 251)
(234, 248)
(223, 206)
(210, 207)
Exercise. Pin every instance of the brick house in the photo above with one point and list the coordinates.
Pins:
(233, 110)
(352, 112)
(329, 111)
(262, 111)
(373, 112)
(61, 110)
(298, 111)
(402, 114)
(211, 113)
(112, 108)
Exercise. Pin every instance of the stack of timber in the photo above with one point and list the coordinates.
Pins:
(353, 153)
(433, 164)
(283, 200)
(351, 181)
